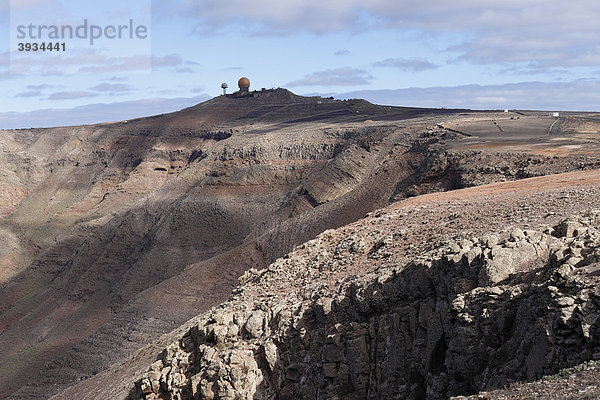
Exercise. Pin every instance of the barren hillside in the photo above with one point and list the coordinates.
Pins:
(115, 234)
(432, 297)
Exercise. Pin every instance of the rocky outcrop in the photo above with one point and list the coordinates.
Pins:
(440, 164)
(470, 315)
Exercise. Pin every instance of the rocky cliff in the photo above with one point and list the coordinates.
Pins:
(472, 314)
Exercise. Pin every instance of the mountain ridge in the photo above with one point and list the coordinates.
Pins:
(117, 233)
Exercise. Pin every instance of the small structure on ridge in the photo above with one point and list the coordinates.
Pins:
(244, 85)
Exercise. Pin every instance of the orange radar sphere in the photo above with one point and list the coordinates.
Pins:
(244, 83)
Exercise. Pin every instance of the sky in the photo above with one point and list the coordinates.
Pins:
(525, 54)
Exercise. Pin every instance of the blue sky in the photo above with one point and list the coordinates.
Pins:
(535, 54)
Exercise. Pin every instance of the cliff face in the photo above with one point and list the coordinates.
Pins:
(470, 315)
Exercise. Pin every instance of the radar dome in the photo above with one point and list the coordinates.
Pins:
(244, 83)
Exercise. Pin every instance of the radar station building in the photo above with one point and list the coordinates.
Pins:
(244, 90)
(244, 85)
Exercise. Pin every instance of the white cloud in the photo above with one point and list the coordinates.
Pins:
(91, 62)
(104, 64)
(345, 76)
(170, 60)
(344, 52)
(268, 15)
(82, 61)
(550, 32)
(407, 64)
(40, 87)
(112, 88)
(70, 95)
(118, 79)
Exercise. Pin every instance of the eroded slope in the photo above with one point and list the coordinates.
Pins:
(361, 312)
